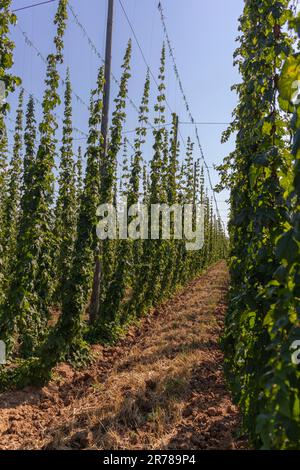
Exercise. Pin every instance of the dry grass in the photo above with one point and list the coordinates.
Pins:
(144, 398)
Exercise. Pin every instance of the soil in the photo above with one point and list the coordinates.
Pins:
(161, 387)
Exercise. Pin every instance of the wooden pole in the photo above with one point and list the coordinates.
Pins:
(95, 297)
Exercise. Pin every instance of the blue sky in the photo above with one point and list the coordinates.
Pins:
(203, 36)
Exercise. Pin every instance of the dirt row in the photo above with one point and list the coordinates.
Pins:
(162, 387)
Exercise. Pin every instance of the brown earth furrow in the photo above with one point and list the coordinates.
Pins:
(162, 387)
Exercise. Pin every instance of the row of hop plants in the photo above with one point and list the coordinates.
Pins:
(262, 173)
(49, 245)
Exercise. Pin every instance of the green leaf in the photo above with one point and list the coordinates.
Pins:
(254, 173)
(296, 407)
(288, 82)
(267, 128)
(287, 247)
